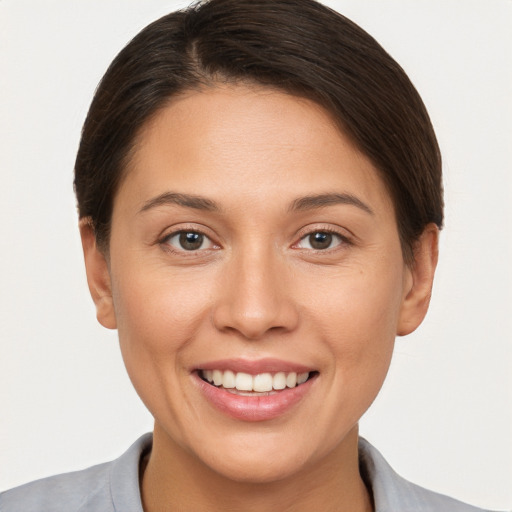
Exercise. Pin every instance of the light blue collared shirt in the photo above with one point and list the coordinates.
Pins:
(114, 487)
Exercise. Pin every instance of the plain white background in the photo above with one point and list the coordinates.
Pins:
(444, 417)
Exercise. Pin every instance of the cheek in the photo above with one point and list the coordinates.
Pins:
(157, 314)
(362, 303)
(358, 320)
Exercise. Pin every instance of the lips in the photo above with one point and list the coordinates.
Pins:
(254, 390)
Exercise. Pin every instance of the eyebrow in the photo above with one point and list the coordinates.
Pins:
(186, 200)
(321, 200)
(300, 204)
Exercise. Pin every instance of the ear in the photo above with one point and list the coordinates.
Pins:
(418, 284)
(98, 276)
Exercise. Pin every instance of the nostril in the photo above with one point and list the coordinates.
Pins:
(254, 301)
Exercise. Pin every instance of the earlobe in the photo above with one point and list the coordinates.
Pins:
(98, 276)
(420, 280)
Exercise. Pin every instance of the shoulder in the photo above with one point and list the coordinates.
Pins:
(392, 493)
(65, 492)
(107, 487)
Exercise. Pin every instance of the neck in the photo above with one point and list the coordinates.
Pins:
(173, 479)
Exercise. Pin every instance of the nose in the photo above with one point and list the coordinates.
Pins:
(256, 296)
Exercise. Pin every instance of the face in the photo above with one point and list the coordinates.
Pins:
(256, 278)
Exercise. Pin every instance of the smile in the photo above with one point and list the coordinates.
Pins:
(254, 390)
(250, 384)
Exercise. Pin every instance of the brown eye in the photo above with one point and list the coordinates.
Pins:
(189, 241)
(320, 240)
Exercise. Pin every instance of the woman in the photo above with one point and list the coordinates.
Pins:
(259, 191)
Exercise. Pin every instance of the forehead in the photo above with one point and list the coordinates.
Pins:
(249, 140)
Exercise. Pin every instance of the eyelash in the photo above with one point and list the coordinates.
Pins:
(164, 242)
(343, 240)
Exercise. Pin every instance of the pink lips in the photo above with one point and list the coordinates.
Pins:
(258, 407)
(254, 367)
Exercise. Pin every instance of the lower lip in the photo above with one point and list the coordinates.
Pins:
(254, 408)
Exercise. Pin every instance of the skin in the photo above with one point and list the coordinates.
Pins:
(255, 289)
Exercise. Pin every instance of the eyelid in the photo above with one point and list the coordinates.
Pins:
(344, 235)
(172, 231)
(177, 235)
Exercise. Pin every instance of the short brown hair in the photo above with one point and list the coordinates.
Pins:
(297, 46)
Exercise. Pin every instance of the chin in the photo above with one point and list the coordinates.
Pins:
(253, 468)
(268, 457)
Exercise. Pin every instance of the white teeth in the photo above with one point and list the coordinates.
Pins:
(217, 377)
(291, 380)
(229, 380)
(302, 377)
(243, 382)
(261, 383)
(279, 380)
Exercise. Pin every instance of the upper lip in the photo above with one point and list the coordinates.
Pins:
(255, 366)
